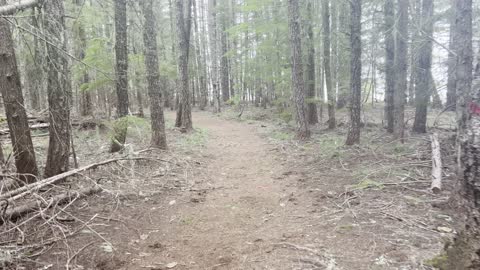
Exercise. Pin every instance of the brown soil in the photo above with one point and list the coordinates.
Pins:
(249, 202)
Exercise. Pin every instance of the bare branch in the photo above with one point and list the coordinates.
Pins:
(19, 6)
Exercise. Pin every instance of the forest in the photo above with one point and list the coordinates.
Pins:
(239, 134)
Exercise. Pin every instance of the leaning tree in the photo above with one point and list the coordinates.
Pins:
(12, 94)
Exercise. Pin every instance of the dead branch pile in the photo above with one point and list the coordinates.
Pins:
(37, 216)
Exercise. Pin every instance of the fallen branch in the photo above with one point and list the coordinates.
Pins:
(67, 266)
(36, 205)
(18, 6)
(32, 127)
(436, 165)
(27, 189)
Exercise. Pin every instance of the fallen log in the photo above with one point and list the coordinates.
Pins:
(32, 127)
(37, 205)
(34, 187)
(436, 186)
(37, 126)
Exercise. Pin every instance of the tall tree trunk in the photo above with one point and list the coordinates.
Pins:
(353, 136)
(212, 30)
(326, 64)
(389, 10)
(465, 251)
(35, 72)
(401, 67)
(200, 52)
(159, 139)
(424, 64)
(334, 55)
(11, 90)
(85, 93)
(414, 40)
(298, 82)
(121, 84)
(312, 113)
(183, 17)
(59, 95)
(344, 54)
(171, 95)
(452, 62)
(436, 100)
(463, 72)
(224, 72)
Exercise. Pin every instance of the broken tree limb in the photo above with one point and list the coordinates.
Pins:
(18, 6)
(37, 205)
(32, 127)
(27, 189)
(436, 165)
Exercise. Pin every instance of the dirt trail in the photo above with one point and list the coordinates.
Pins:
(241, 222)
(237, 200)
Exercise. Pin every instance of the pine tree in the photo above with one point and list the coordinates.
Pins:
(11, 90)
(121, 82)
(159, 139)
(59, 92)
(183, 16)
(298, 83)
(353, 136)
(424, 65)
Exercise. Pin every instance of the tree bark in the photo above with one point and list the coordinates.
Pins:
(224, 72)
(59, 95)
(159, 139)
(183, 17)
(121, 82)
(416, 11)
(312, 113)
(464, 253)
(452, 62)
(424, 64)
(212, 30)
(34, 81)
(298, 82)
(401, 66)
(200, 49)
(85, 93)
(463, 72)
(436, 186)
(11, 90)
(326, 64)
(344, 55)
(353, 136)
(389, 10)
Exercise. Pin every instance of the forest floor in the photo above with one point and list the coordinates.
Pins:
(242, 194)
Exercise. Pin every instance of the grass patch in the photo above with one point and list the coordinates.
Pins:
(330, 145)
(366, 184)
(197, 138)
(281, 136)
(439, 262)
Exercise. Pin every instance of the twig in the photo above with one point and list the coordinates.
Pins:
(67, 266)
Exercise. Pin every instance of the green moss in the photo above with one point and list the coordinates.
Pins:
(286, 116)
(439, 261)
(282, 136)
(400, 149)
(367, 183)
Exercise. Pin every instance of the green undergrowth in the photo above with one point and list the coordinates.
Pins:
(367, 184)
(438, 262)
(197, 138)
(282, 135)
